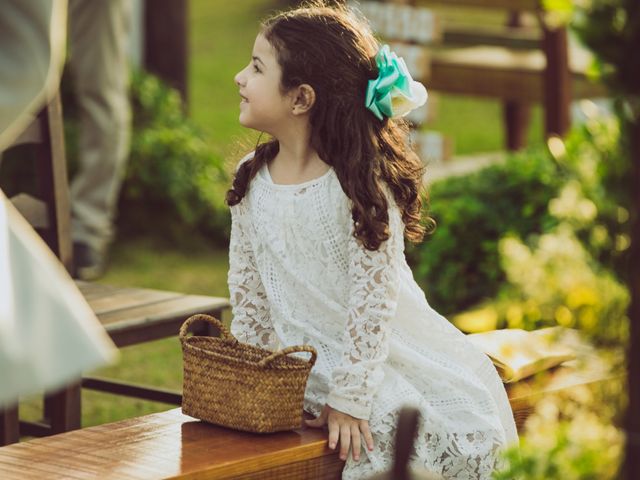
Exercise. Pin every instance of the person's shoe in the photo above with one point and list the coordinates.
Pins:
(89, 264)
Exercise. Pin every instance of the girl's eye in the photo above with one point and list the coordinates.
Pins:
(255, 68)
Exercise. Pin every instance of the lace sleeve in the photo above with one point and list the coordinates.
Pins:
(373, 300)
(249, 304)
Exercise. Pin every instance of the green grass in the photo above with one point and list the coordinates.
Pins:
(221, 39)
(222, 36)
(475, 125)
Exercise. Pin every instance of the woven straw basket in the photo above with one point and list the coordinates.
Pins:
(241, 386)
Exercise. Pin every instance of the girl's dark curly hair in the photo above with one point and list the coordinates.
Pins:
(332, 50)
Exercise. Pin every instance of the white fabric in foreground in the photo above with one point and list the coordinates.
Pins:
(298, 276)
(48, 333)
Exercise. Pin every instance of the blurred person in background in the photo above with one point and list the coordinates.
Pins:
(98, 36)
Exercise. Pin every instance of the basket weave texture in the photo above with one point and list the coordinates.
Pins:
(241, 386)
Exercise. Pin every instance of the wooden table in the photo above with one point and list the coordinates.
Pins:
(135, 315)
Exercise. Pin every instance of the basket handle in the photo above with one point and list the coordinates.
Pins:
(224, 333)
(285, 351)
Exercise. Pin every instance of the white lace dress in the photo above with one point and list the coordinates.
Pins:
(298, 276)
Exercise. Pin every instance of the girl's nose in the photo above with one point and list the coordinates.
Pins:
(239, 79)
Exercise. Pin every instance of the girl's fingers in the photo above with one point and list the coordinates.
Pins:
(345, 441)
(368, 438)
(355, 442)
(334, 434)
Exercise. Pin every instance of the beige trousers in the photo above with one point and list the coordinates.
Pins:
(98, 33)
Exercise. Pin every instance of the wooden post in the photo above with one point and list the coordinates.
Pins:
(632, 450)
(63, 409)
(9, 430)
(516, 114)
(166, 42)
(53, 168)
(557, 81)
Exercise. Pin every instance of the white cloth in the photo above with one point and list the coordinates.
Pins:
(32, 35)
(298, 276)
(48, 333)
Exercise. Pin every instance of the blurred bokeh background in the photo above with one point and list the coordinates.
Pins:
(539, 238)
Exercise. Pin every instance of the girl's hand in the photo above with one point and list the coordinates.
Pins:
(345, 428)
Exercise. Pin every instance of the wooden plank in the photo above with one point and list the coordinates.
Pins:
(132, 390)
(87, 288)
(497, 36)
(126, 299)
(417, 58)
(33, 210)
(403, 23)
(317, 468)
(500, 73)
(57, 187)
(171, 444)
(135, 315)
(160, 311)
(518, 5)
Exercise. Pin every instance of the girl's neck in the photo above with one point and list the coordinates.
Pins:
(296, 162)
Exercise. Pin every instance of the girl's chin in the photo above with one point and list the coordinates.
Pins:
(246, 123)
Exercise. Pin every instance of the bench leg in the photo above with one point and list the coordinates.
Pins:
(9, 426)
(63, 409)
(557, 83)
(516, 121)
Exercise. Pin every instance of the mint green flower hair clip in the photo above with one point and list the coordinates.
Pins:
(394, 93)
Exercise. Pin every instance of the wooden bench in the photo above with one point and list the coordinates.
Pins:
(173, 445)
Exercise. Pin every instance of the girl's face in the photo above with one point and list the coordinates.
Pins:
(263, 107)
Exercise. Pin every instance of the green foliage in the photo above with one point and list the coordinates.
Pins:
(458, 265)
(567, 269)
(574, 434)
(174, 184)
(172, 171)
(593, 158)
(556, 282)
(565, 276)
(611, 29)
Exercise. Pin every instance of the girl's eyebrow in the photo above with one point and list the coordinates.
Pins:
(258, 59)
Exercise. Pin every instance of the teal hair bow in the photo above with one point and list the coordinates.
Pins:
(394, 93)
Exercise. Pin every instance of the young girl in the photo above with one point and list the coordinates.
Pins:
(319, 217)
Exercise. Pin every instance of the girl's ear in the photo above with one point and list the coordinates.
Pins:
(304, 97)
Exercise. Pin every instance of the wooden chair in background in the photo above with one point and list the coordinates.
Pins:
(520, 63)
(130, 315)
